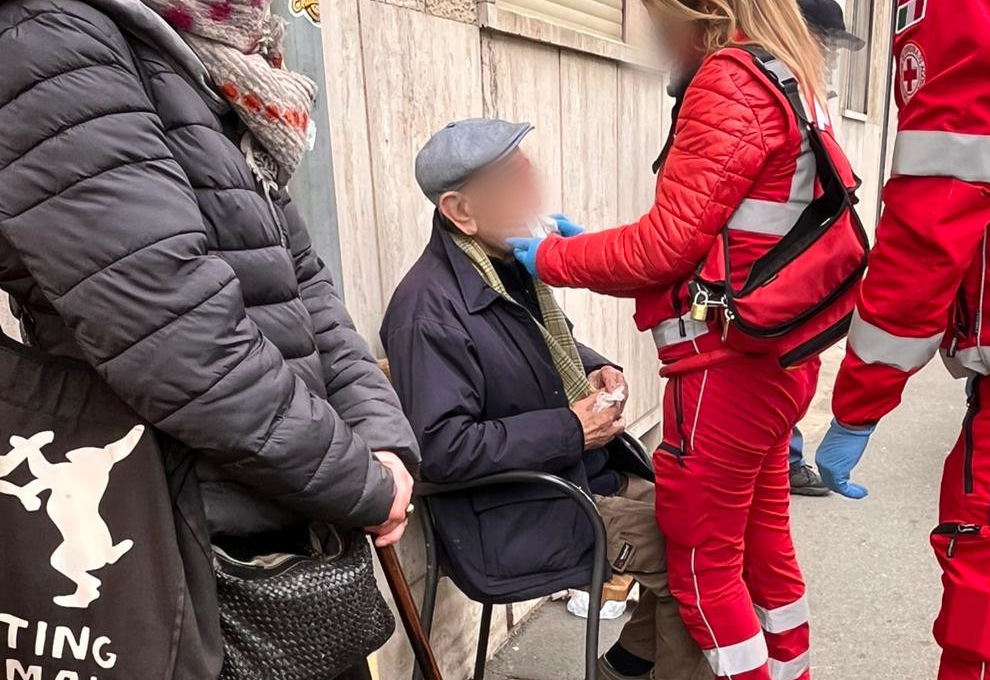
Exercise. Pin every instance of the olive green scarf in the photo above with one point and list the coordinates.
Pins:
(554, 329)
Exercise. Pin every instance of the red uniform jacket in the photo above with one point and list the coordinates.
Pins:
(928, 269)
(738, 159)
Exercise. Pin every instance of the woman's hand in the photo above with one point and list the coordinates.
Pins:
(599, 428)
(389, 532)
(565, 227)
(525, 251)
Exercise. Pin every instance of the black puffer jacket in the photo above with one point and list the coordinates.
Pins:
(133, 235)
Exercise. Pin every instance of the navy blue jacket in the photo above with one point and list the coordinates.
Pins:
(479, 387)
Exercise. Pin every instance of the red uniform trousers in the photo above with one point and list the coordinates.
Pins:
(962, 545)
(929, 267)
(723, 504)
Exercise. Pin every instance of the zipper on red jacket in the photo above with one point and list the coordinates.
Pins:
(972, 409)
(677, 453)
(960, 323)
(955, 530)
(681, 326)
(679, 417)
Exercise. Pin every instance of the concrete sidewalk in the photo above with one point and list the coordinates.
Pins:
(873, 581)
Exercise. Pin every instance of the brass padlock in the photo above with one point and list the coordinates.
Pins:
(699, 310)
(699, 302)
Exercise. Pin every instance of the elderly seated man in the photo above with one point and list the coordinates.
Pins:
(492, 380)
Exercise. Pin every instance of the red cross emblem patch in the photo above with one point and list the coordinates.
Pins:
(911, 71)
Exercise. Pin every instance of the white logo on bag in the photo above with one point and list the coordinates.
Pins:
(77, 487)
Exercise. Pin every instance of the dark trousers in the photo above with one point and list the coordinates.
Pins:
(795, 456)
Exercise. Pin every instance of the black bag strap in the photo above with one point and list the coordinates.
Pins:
(678, 90)
(782, 77)
(822, 212)
(668, 143)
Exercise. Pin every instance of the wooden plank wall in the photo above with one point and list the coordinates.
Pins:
(598, 127)
(597, 131)
(397, 74)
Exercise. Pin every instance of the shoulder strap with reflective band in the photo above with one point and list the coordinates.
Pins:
(781, 76)
(822, 212)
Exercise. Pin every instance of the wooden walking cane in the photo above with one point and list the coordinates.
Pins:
(397, 583)
(418, 639)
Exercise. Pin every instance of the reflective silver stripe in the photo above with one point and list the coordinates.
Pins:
(739, 658)
(966, 362)
(768, 217)
(920, 153)
(783, 619)
(668, 332)
(874, 345)
(790, 670)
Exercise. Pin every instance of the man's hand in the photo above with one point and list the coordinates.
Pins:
(610, 379)
(599, 428)
(838, 454)
(391, 531)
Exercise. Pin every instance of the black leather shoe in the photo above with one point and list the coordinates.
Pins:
(806, 482)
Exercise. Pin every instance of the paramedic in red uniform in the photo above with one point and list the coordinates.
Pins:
(739, 159)
(926, 289)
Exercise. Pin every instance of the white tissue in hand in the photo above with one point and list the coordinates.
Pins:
(607, 399)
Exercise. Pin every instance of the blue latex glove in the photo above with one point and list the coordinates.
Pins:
(525, 248)
(525, 251)
(565, 226)
(838, 454)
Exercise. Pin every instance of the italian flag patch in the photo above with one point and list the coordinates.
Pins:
(909, 13)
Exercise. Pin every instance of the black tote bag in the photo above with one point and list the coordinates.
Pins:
(92, 585)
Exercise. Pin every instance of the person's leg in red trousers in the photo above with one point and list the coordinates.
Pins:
(962, 545)
(771, 570)
(725, 434)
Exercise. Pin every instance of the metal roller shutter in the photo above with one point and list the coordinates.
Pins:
(601, 17)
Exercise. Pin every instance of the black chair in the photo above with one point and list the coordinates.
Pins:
(425, 490)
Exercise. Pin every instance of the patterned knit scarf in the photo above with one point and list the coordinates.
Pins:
(554, 329)
(240, 44)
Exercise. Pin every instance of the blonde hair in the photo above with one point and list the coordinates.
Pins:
(775, 25)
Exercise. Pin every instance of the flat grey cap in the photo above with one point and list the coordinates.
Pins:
(461, 149)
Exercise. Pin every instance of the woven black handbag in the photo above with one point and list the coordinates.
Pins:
(301, 617)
